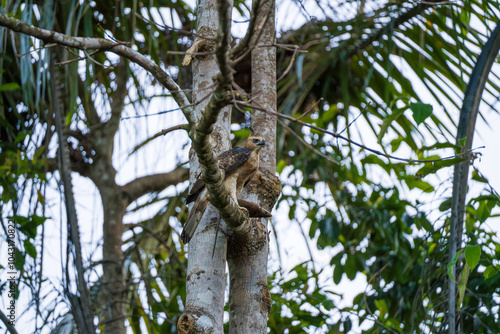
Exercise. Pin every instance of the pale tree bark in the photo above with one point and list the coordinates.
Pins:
(206, 278)
(249, 297)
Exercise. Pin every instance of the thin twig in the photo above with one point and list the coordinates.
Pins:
(165, 27)
(295, 51)
(111, 37)
(88, 56)
(95, 61)
(19, 55)
(183, 53)
(306, 143)
(149, 231)
(170, 129)
(288, 47)
(253, 42)
(306, 241)
(245, 41)
(308, 111)
(354, 120)
(432, 3)
(216, 234)
(336, 135)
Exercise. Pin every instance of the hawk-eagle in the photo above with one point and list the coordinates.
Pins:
(239, 166)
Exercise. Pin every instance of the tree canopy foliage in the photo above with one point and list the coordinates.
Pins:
(389, 76)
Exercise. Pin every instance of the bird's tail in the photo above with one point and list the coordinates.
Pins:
(194, 216)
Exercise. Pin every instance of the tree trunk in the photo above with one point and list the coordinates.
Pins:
(113, 289)
(206, 277)
(249, 297)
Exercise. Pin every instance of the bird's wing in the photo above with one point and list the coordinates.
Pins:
(198, 186)
(232, 159)
(228, 162)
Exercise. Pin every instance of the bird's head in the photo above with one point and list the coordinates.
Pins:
(255, 143)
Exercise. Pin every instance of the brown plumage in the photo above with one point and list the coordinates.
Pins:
(239, 165)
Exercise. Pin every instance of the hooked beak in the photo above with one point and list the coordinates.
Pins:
(261, 143)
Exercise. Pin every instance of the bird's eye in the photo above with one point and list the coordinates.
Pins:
(255, 140)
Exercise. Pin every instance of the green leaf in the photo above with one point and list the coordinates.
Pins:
(445, 205)
(382, 307)
(422, 220)
(396, 113)
(351, 267)
(472, 255)
(462, 141)
(462, 284)
(330, 230)
(28, 225)
(280, 165)
(30, 248)
(420, 111)
(413, 183)
(491, 271)
(9, 86)
(19, 259)
(451, 265)
(478, 177)
(337, 274)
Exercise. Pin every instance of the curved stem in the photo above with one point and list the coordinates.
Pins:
(466, 126)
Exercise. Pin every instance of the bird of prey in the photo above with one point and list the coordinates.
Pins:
(238, 165)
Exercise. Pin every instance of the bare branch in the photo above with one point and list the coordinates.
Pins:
(151, 183)
(118, 99)
(245, 41)
(101, 44)
(254, 34)
(35, 50)
(337, 135)
(161, 133)
(295, 51)
(87, 55)
(438, 3)
(88, 106)
(306, 143)
(308, 111)
(219, 196)
(223, 35)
